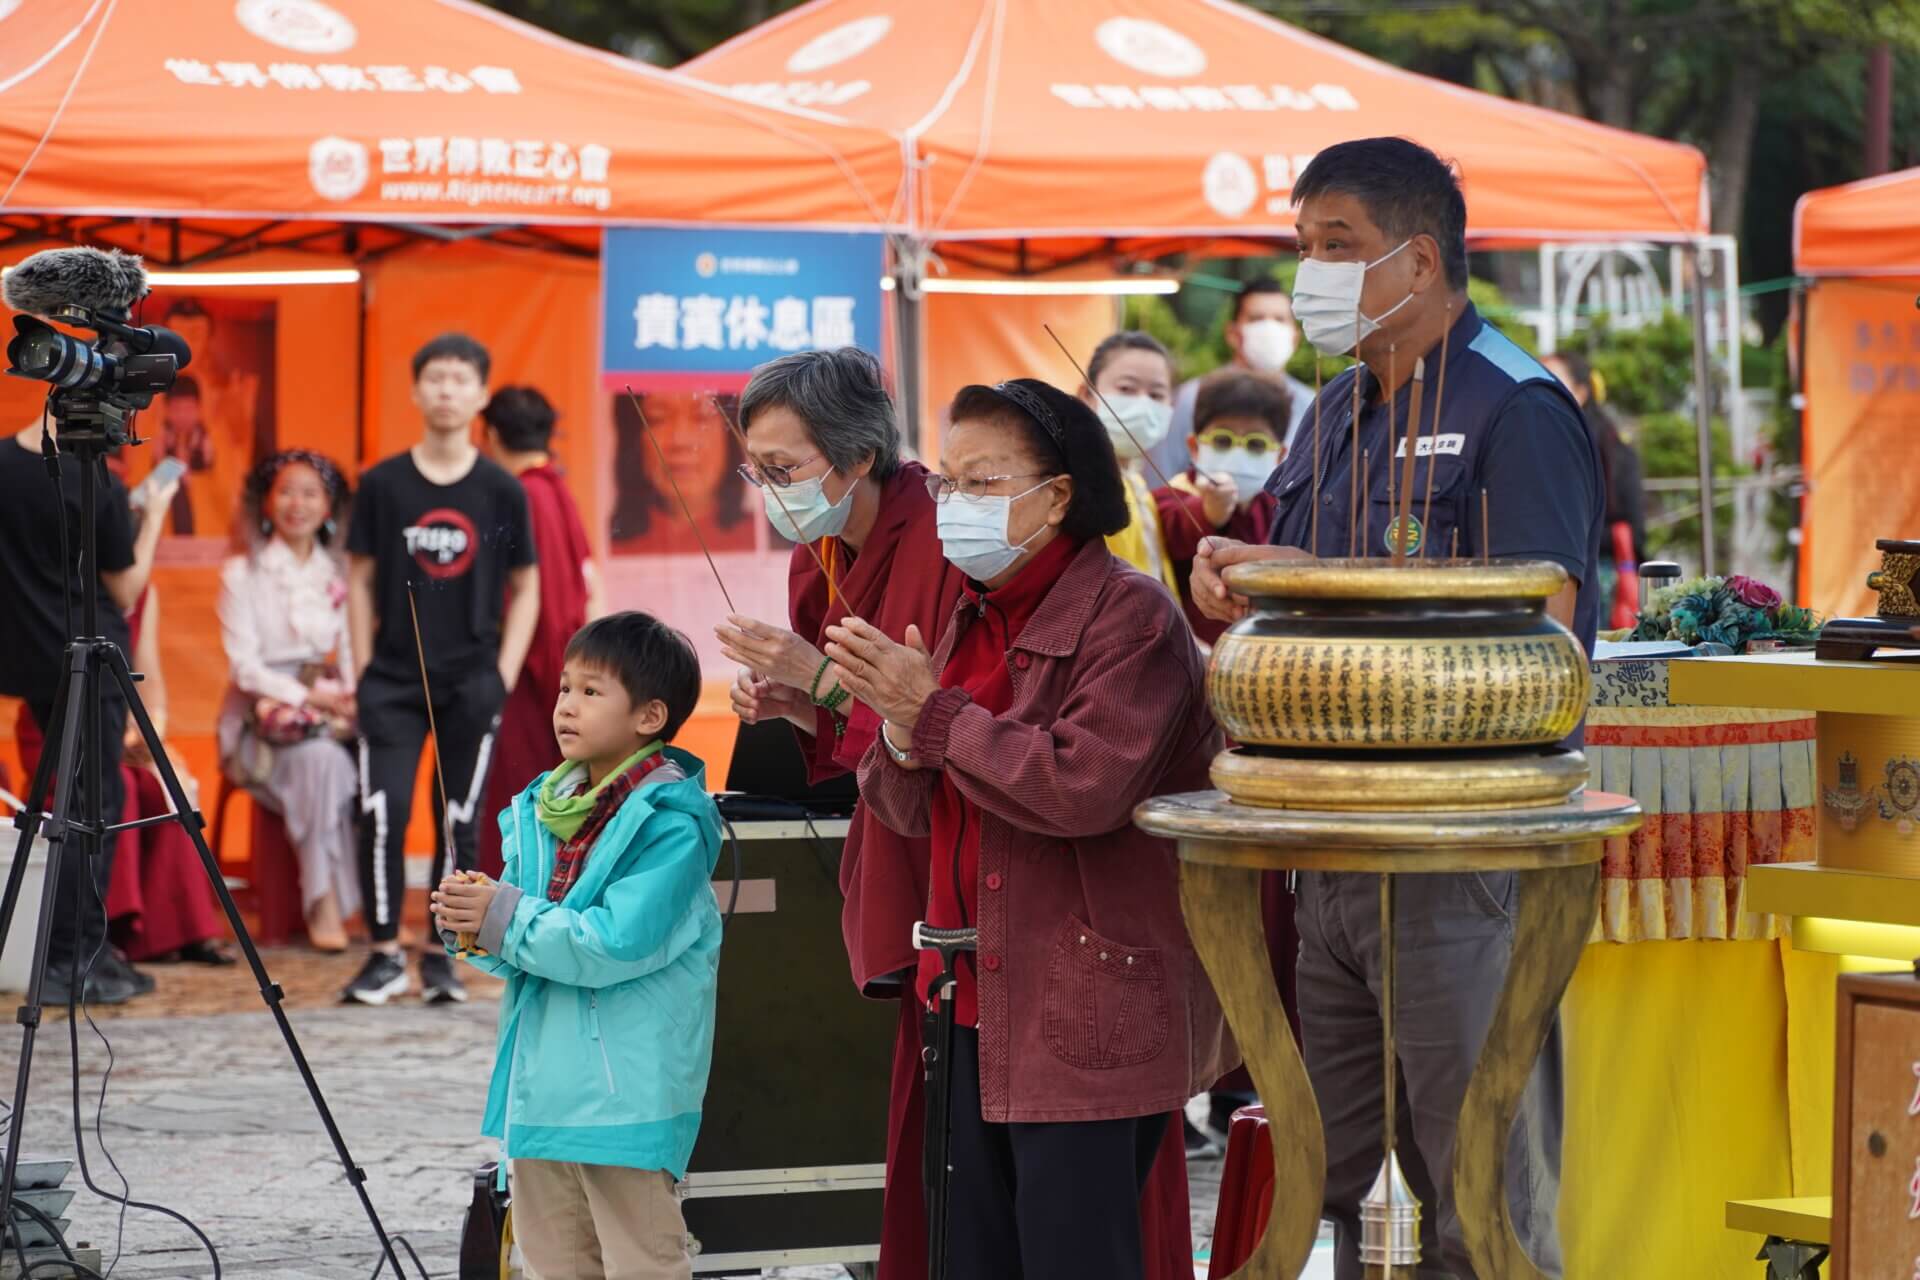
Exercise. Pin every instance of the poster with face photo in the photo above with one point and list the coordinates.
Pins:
(218, 418)
(687, 316)
(702, 459)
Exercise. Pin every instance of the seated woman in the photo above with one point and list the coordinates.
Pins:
(283, 622)
(160, 906)
(1065, 690)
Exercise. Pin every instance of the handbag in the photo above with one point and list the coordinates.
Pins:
(486, 1236)
(271, 723)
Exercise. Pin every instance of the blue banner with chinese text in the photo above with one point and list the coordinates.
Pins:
(685, 306)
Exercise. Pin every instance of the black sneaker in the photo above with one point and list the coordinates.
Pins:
(112, 964)
(381, 978)
(438, 982)
(1199, 1145)
(102, 989)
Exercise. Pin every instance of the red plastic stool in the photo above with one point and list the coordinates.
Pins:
(1246, 1192)
(273, 871)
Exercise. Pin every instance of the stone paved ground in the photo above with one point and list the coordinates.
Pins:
(206, 1115)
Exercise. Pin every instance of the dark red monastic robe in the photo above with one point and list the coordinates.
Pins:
(524, 747)
(900, 578)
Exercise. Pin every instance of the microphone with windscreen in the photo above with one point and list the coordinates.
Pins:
(95, 289)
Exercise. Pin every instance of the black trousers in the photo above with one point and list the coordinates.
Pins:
(393, 732)
(80, 897)
(1043, 1201)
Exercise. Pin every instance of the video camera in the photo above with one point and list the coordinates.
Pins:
(97, 385)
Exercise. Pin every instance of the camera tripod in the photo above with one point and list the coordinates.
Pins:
(77, 827)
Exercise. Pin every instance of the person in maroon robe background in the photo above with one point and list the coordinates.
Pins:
(821, 426)
(519, 423)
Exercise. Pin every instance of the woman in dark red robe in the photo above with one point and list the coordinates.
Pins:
(825, 452)
(519, 428)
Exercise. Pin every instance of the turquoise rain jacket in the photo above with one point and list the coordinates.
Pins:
(606, 1026)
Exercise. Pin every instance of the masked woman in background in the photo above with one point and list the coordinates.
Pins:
(1133, 377)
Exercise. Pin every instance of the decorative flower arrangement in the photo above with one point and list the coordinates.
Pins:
(1734, 611)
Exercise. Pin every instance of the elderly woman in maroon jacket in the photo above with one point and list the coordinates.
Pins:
(1066, 690)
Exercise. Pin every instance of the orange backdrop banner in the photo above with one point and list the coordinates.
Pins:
(1863, 409)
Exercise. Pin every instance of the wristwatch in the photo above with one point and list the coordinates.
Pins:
(899, 756)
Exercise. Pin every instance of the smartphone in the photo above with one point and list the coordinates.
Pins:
(165, 471)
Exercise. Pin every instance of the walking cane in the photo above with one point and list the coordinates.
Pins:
(937, 1056)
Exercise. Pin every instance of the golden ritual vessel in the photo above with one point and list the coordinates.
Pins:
(1431, 685)
(1394, 718)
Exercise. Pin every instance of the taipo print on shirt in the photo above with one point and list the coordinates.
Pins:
(441, 542)
(1427, 446)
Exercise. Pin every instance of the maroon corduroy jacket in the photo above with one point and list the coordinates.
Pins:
(1093, 1005)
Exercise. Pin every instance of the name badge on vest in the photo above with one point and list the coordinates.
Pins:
(1427, 446)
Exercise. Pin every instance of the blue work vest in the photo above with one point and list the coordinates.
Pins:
(1485, 370)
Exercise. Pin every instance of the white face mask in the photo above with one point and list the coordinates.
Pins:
(1146, 419)
(973, 533)
(801, 513)
(1249, 473)
(1326, 301)
(1267, 345)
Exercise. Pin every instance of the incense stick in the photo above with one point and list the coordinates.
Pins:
(1315, 494)
(773, 489)
(1353, 477)
(646, 429)
(1160, 475)
(1486, 529)
(1453, 552)
(439, 770)
(1404, 518)
(1439, 397)
(1366, 490)
(1393, 436)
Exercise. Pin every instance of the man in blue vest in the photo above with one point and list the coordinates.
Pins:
(1383, 273)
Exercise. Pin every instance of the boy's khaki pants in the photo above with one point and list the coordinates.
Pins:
(598, 1222)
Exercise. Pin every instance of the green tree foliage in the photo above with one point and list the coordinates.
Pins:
(664, 32)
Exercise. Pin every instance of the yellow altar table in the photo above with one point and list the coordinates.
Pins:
(1846, 912)
(1679, 1091)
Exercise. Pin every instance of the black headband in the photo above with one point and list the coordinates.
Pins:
(1036, 408)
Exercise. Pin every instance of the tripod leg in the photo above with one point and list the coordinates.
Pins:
(190, 819)
(28, 821)
(69, 713)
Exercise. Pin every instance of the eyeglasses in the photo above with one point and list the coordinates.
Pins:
(940, 488)
(1255, 443)
(780, 477)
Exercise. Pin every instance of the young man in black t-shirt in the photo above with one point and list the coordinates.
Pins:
(447, 525)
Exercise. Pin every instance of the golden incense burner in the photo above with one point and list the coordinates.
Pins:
(1398, 719)
(1352, 685)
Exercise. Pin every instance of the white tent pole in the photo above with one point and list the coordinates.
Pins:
(1703, 401)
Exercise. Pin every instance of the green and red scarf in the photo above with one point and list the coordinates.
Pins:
(577, 818)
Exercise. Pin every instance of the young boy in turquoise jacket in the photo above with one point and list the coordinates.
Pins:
(605, 927)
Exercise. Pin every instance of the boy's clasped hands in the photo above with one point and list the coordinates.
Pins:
(460, 903)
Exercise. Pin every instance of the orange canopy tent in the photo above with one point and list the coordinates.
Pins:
(1140, 121)
(1859, 246)
(443, 165)
(1864, 228)
(395, 111)
(1051, 134)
